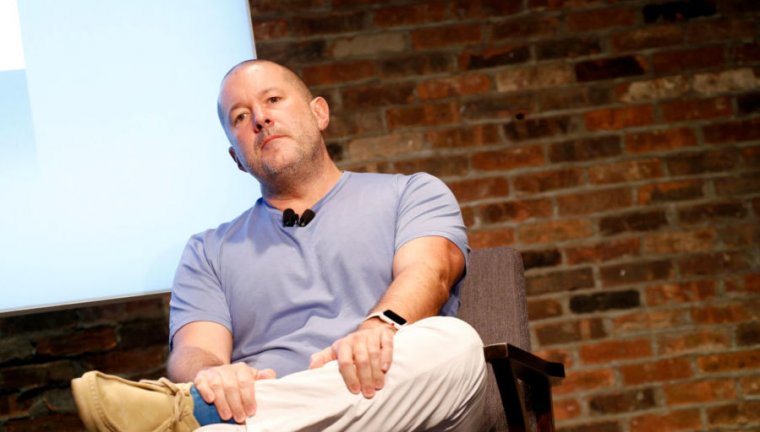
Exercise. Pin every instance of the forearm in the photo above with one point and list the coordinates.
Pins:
(185, 362)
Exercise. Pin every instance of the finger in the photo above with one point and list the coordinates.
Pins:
(220, 399)
(233, 399)
(374, 350)
(345, 356)
(321, 358)
(386, 353)
(246, 378)
(364, 366)
(204, 390)
(266, 374)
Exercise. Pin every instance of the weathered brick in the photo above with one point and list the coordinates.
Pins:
(748, 53)
(268, 29)
(464, 136)
(702, 162)
(719, 314)
(628, 171)
(461, 85)
(603, 426)
(541, 258)
(609, 68)
(594, 201)
(670, 191)
(338, 72)
(751, 156)
(570, 331)
(710, 264)
(568, 48)
(660, 88)
(61, 422)
(748, 333)
(572, 97)
(634, 221)
(694, 341)
(493, 57)
(135, 361)
(525, 27)
(619, 118)
(587, 303)
(385, 146)
(612, 350)
(640, 271)
(374, 95)
(566, 409)
(684, 292)
(559, 281)
(542, 5)
(519, 130)
(152, 308)
(687, 420)
(417, 64)
(480, 239)
(479, 188)
(710, 83)
(506, 106)
(720, 30)
(434, 37)
(534, 77)
(548, 180)
(323, 24)
(677, 10)
(740, 235)
(486, 8)
(701, 391)
(586, 380)
(83, 341)
(729, 361)
(555, 231)
(748, 103)
(30, 323)
(751, 385)
(585, 149)
(661, 140)
(440, 166)
(30, 376)
(368, 45)
(648, 321)
(603, 251)
(543, 308)
(734, 131)
(682, 110)
(426, 12)
(509, 158)
(739, 185)
(648, 37)
(623, 402)
(292, 53)
(515, 211)
(600, 18)
(661, 370)
(689, 59)
(737, 413)
(682, 241)
(261, 6)
(422, 115)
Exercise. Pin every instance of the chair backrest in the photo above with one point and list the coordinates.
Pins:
(493, 302)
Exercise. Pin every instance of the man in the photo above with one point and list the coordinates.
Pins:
(340, 303)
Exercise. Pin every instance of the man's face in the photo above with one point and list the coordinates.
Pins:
(270, 121)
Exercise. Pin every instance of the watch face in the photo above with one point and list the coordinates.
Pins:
(395, 317)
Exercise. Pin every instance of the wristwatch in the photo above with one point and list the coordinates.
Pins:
(389, 317)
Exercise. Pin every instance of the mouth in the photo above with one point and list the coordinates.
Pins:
(269, 139)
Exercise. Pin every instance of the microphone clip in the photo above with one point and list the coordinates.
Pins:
(290, 218)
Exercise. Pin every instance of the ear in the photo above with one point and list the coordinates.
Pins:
(234, 157)
(321, 112)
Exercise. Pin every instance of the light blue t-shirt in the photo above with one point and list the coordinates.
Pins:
(288, 292)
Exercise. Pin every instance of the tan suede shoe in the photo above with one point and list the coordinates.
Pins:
(113, 404)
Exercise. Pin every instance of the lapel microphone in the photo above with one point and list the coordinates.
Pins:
(290, 218)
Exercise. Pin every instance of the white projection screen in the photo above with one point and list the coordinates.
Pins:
(111, 154)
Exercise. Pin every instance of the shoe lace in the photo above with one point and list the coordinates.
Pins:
(180, 401)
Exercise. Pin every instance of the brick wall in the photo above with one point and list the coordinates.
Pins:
(615, 143)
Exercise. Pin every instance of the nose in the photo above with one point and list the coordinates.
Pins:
(261, 119)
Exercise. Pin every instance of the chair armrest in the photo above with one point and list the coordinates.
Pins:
(526, 362)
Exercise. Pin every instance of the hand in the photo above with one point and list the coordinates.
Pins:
(231, 389)
(364, 357)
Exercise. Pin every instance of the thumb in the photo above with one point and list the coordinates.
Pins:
(266, 374)
(319, 359)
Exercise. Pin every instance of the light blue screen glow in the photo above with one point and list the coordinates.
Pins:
(111, 154)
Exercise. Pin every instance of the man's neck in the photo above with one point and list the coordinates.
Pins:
(303, 192)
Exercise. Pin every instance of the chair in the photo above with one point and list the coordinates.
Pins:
(519, 386)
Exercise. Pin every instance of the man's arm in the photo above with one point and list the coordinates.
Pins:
(201, 354)
(424, 270)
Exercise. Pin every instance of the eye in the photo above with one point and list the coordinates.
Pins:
(274, 99)
(239, 118)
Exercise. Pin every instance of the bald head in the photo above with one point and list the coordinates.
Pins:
(291, 77)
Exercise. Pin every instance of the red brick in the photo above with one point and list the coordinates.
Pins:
(699, 392)
(713, 314)
(527, 26)
(569, 331)
(461, 85)
(670, 191)
(480, 239)
(568, 48)
(609, 68)
(40, 423)
(593, 202)
(619, 118)
(424, 115)
(446, 36)
(751, 385)
(585, 149)
(647, 37)
(738, 413)
(673, 242)
(555, 231)
(696, 110)
(515, 211)
(608, 351)
(541, 258)
(384, 146)
(748, 53)
(559, 281)
(624, 172)
(640, 271)
(740, 235)
(136, 361)
(712, 212)
(623, 402)
(751, 156)
(336, 22)
(572, 97)
(33, 376)
(534, 77)
(363, 45)
(585, 380)
(509, 158)
(426, 12)
(566, 409)
(688, 420)
(548, 180)
(730, 132)
(698, 163)
(482, 58)
(632, 221)
(603, 251)
(122, 311)
(675, 293)
(533, 128)
(742, 184)
(563, 4)
(440, 166)
(474, 189)
(600, 19)
(556, 355)
(269, 29)
(81, 341)
(711, 264)
(362, 96)
(694, 341)
(662, 140)
(464, 136)
(721, 30)
(690, 59)
(338, 72)
(486, 8)
(539, 309)
(729, 362)
(406, 65)
(661, 370)
(261, 6)
(503, 107)
(637, 322)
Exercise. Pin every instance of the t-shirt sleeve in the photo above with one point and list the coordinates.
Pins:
(197, 294)
(428, 208)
